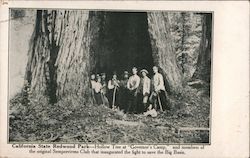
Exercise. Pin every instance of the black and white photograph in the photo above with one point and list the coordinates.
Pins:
(109, 76)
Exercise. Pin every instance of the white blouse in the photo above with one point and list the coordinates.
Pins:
(146, 86)
(98, 87)
(133, 82)
(158, 82)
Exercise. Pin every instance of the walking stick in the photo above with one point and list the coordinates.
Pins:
(93, 96)
(102, 98)
(113, 103)
(159, 100)
(92, 92)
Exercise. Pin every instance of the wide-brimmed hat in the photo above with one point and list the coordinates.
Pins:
(125, 72)
(144, 70)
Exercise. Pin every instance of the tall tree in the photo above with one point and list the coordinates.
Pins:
(163, 52)
(65, 50)
(186, 29)
(58, 63)
(204, 59)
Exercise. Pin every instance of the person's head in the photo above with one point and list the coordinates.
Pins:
(144, 72)
(103, 75)
(155, 69)
(114, 76)
(92, 76)
(134, 70)
(97, 76)
(126, 74)
(99, 79)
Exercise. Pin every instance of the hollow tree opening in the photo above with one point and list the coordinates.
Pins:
(123, 42)
(68, 45)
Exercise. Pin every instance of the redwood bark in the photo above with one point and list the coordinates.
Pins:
(163, 52)
(58, 64)
(65, 49)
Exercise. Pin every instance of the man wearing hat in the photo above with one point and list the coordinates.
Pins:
(124, 92)
(143, 92)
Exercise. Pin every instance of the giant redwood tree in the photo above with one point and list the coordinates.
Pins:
(163, 52)
(58, 64)
(67, 46)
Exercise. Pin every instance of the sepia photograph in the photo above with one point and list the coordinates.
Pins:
(109, 76)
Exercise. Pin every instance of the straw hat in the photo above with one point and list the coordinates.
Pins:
(144, 70)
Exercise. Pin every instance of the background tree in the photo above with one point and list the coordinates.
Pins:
(203, 70)
(186, 30)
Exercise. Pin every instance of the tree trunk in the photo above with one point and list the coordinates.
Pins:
(163, 52)
(204, 59)
(58, 64)
(69, 45)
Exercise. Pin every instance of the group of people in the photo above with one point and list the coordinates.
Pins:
(132, 94)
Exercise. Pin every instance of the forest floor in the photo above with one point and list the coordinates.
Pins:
(62, 122)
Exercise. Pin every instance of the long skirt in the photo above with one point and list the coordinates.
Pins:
(98, 98)
(139, 106)
(123, 99)
(132, 102)
(113, 99)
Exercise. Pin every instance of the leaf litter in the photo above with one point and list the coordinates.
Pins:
(42, 122)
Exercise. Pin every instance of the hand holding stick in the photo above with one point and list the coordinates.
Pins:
(113, 102)
(159, 100)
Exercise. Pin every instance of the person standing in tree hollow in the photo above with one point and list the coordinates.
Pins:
(104, 83)
(143, 92)
(158, 96)
(133, 83)
(124, 92)
(104, 90)
(113, 86)
(97, 90)
(92, 84)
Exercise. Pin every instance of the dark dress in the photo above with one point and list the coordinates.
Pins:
(124, 92)
(97, 93)
(104, 93)
(113, 90)
(139, 108)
